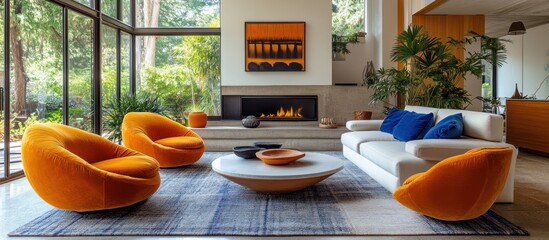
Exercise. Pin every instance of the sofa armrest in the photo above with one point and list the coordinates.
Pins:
(364, 125)
(440, 149)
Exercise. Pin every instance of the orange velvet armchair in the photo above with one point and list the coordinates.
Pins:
(75, 170)
(169, 142)
(462, 187)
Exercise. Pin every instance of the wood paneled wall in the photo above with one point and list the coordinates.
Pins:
(455, 26)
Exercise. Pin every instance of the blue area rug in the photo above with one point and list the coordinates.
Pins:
(195, 201)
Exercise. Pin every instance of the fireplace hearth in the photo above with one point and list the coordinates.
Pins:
(271, 108)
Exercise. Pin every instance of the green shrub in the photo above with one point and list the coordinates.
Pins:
(114, 111)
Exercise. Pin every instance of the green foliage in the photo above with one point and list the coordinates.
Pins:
(347, 17)
(169, 84)
(191, 80)
(430, 72)
(183, 83)
(20, 127)
(201, 55)
(493, 49)
(488, 104)
(114, 111)
(55, 116)
(339, 43)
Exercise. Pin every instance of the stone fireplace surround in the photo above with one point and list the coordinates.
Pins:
(338, 102)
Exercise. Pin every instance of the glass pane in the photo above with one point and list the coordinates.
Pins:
(126, 13)
(88, 3)
(80, 71)
(183, 71)
(176, 13)
(109, 7)
(108, 75)
(347, 17)
(125, 51)
(3, 161)
(36, 69)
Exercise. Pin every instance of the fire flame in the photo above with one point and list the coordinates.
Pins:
(284, 113)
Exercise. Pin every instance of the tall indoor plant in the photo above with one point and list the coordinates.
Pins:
(428, 74)
(114, 111)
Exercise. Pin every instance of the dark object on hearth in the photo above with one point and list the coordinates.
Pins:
(265, 66)
(280, 66)
(268, 145)
(295, 66)
(250, 122)
(246, 151)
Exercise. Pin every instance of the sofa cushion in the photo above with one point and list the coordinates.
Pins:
(183, 142)
(133, 166)
(392, 119)
(480, 125)
(450, 127)
(389, 156)
(363, 125)
(439, 149)
(413, 126)
(420, 109)
(354, 139)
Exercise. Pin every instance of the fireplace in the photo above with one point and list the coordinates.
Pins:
(271, 108)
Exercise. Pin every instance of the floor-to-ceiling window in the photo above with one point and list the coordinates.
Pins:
(33, 90)
(81, 70)
(67, 57)
(185, 73)
(181, 62)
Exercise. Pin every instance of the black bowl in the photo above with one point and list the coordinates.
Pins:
(246, 151)
(268, 145)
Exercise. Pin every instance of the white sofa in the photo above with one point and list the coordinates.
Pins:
(391, 162)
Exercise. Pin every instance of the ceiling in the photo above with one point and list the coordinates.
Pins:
(499, 13)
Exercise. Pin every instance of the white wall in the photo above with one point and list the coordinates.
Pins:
(382, 31)
(536, 64)
(473, 84)
(318, 36)
(350, 69)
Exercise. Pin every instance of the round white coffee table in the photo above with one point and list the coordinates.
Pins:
(256, 175)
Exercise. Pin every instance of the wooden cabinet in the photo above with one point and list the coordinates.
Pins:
(528, 124)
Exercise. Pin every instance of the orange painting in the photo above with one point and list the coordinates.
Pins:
(275, 46)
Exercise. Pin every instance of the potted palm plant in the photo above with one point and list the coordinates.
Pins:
(429, 74)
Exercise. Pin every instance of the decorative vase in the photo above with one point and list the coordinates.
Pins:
(250, 122)
(516, 95)
(362, 115)
(198, 119)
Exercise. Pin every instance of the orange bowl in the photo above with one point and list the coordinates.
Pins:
(279, 156)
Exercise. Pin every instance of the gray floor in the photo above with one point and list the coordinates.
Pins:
(19, 204)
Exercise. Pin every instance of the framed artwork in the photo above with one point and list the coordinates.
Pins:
(274, 46)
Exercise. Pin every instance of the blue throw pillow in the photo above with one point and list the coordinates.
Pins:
(412, 125)
(448, 128)
(427, 128)
(392, 119)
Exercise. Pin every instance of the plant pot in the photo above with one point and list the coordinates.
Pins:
(362, 115)
(198, 119)
(337, 56)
